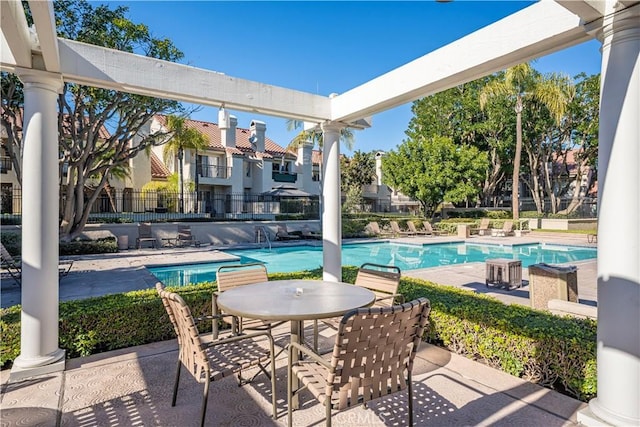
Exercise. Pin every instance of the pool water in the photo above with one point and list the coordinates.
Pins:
(406, 257)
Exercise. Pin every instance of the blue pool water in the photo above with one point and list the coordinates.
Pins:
(407, 257)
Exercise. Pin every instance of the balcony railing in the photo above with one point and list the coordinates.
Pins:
(5, 164)
(213, 171)
(284, 176)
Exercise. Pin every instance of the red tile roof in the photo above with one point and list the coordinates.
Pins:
(158, 169)
(212, 132)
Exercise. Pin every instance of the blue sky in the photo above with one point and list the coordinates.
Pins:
(328, 46)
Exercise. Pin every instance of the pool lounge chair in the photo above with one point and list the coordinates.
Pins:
(412, 228)
(484, 228)
(506, 230)
(283, 234)
(374, 229)
(429, 230)
(14, 267)
(398, 231)
(308, 234)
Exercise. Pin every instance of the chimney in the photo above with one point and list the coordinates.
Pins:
(258, 129)
(378, 156)
(227, 124)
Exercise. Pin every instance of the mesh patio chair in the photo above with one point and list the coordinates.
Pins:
(283, 233)
(374, 228)
(185, 238)
(506, 230)
(232, 276)
(428, 228)
(208, 360)
(372, 357)
(413, 229)
(308, 234)
(398, 231)
(145, 235)
(382, 280)
(14, 266)
(484, 228)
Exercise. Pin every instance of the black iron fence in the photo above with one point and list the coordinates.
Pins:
(135, 205)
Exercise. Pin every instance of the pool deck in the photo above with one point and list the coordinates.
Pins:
(133, 386)
(95, 275)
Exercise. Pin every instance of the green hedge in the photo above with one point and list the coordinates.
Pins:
(556, 352)
(13, 243)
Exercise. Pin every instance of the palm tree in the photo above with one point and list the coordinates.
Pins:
(182, 137)
(522, 84)
(315, 137)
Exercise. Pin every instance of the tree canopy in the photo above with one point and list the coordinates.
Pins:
(100, 130)
(433, 170)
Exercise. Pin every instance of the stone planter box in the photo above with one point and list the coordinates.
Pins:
(568, 224)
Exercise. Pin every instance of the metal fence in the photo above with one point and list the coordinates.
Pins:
(136, 205)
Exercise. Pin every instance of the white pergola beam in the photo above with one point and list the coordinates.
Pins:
(16, 43)
(588, 11)
(44, 20)
(539, 29)
(112, 69)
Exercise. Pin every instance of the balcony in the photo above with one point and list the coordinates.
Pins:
(284, 176)
(214, 171)
(5, 164)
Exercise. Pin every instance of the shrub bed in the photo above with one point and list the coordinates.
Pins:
(556, 352)
(13, 243)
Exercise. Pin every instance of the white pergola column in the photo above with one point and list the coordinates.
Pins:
(618, 400)
(331, 204)
(39, 352)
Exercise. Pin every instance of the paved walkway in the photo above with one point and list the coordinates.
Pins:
(133, 386)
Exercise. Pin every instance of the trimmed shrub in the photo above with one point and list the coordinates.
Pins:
(13, 243)
(556, 352)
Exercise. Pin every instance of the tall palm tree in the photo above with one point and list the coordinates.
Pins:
(522, 84)
(182, 137)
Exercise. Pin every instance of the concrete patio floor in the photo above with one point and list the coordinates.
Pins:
(133, 386)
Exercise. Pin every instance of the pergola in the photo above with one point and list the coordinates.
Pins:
(43, 61)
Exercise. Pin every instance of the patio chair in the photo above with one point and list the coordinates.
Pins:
(506, 230)
(14, 267)
(398, 231)
(208, 360)
(372, 357)
(232, 276)
(308, 234)
(382, 280)
(484, 227)
(145, 235)
(413, 229)
(185, 238)
(374, 228)
(283, 233)
(429, 230)
(8, 263)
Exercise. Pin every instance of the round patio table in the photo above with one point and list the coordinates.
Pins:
(294, 301)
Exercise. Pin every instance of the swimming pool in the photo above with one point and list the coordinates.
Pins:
(407, 257)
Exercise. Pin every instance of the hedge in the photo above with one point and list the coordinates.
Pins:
(13, 243)
(555, 352)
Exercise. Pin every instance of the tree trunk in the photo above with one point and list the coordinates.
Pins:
(181, 179)
(515, 200)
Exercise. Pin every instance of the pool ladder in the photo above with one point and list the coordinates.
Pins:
(262, 235)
